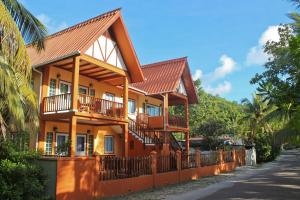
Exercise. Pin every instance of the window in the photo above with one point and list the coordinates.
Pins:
(62, 145)
(52, 87)
(64, 87)
(81, 145)
(131, 106)
(83, 90)
(92, 92)
(153, 110)
(108, 144)
(109, 96)
(90, 145)
(49, 139)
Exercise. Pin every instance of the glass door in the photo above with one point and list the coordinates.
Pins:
(81, 145)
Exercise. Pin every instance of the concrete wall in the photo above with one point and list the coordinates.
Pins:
(78, 178)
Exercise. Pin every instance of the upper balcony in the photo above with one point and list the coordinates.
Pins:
(64, 80)
(85, 104)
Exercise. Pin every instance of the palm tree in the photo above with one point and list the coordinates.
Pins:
(18, 103)
(255, 112)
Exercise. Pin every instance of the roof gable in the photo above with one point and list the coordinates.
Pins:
(80, 37)
(166, 76)
(106, 49)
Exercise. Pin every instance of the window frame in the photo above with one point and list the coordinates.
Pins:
(66, 83)
(153, 106)
(134, 103)
(51, 144)
(113, 144)
(110, 94)
(55, 92)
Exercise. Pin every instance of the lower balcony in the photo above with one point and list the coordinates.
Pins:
(157, 122)
(86, 104)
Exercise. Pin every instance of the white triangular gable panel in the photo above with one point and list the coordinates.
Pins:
(105, 49)
(181, 88)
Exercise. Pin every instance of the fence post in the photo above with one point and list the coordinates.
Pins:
(221, 156)
(234, 157)
(154, 166)
(178, 158)
(198, 157)
(97, 175)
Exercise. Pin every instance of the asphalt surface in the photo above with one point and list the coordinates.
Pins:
(278, 180)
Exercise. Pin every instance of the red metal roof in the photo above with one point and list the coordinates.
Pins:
(80, 37)
(164, 77)
(72, 39)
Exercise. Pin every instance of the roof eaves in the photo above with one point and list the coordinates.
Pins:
(74, 53)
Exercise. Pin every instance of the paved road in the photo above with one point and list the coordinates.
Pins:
(279, 180)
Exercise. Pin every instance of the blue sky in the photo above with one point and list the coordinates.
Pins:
(222, 39)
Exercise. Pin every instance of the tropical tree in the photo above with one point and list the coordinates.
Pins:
(18, 103)
(255, 113)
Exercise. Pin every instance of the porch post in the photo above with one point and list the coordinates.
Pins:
(75, 82)
(42, 132)
(187, 142)
(166, 110)
(42, 136)
(125, 97)
(72, 135)
(126, 153)
(186, 108)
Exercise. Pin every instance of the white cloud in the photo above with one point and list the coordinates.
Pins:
(221, 88)
(198, 74)
(228, 65)
(256, 54)
(51, 25)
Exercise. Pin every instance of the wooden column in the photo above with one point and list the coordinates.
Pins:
(126, 145)
(125, 97)
(166, 110)
(187, 142)
(186, 109)
(42, 136)
(75, 83)
(72, 135)
(42, 132)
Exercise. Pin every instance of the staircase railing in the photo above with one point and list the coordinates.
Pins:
(174, 143)
(148, 136)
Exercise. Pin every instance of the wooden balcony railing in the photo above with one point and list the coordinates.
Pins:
(86, 103)
(101, 106)
(177, 121)
(56, 103)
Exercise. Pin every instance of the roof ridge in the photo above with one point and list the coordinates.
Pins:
(164, 62)
(106, 14)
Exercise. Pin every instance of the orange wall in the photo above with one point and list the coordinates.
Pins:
(98, 132)
(139, 149)
(78, 178)
(75, 178)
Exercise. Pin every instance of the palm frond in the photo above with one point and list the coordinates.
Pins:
(32, 30)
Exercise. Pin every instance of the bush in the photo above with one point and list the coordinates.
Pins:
(266, 150)
(20, 176)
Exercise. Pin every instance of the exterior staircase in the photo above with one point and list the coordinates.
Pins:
(140, 132)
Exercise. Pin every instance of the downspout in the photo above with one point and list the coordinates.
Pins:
(40, 95)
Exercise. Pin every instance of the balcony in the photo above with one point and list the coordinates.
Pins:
(86, 104)
(157, 122)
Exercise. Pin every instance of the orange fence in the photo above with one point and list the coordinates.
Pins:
(97, 177)
(117, 168)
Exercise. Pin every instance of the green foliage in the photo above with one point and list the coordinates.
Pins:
(213, 107)
(18, 102)
(20, 177)
(211, 130)
(266, 149)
